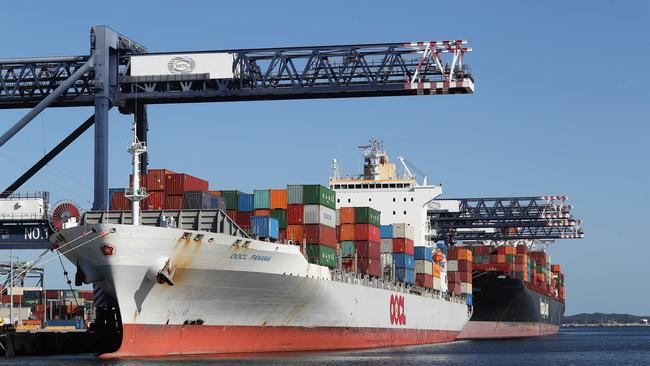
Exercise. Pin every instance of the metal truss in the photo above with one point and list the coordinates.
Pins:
(506, 219)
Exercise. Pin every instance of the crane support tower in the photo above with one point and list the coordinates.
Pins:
(120, 72)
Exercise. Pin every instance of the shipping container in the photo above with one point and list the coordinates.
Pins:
(156, 179)
(278, 198)
(423, 280)
(405, 275)
(346, 215)
(404, 231)
(320, 234)
(280, 215)
(401, 245)
(295, 233)
(317, 214)
(422, 266)
(366, 232)
(177, 184)
(367, 249)
(261, 199)
(386, 231)
(231, 199)
(265, 226)
(295, 214)
(386, 245)
(315, 194)
(294, 194)
(261, 212)
(346, 232)
(174, 202)
(402, 260)
(119, 202)
(321, 254)
(245, 202)
(201, 201)
(244, 219)
(423, 253)
(216, 193)
(155, 201)
(366, 215)
(347, 248)
(369, 266)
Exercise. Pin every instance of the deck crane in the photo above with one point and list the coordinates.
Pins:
(120, 72)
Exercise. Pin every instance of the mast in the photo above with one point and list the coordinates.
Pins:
(136, 194)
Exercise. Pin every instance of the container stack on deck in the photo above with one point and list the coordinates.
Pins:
(532, 267)
(424, 266)
(360, 237)
(459, 272)
(403, 253)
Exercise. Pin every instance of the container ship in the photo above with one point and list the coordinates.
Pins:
(297, 269)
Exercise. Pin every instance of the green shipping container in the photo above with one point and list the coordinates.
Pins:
(231, 199)
(366, 215)
(261, 199)
(281, 215)
(315, 194)
(347, 248)
(320, 254)
(510, 258)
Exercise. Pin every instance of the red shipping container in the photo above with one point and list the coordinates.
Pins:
(174, 202)
(232, 214)
(522, 249)
(424, 280)
(464, 266)
(366, 232)
(244, 219)
(295, 214)
(282, 235)
(453, 277)
(369, 266)
(455, 289)
(466, 277)
(156, 179)
(156, 201)
(53, 294)
(177, 184)
(143, 180)
(320, 234)
(119, 202)
(368, 249)
(401, 245)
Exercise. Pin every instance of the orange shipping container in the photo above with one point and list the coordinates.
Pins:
(261, 212)
(294, 232)
(501, 258)
(555, 268)
(346, 215)
(347, 232)
(435, 269)
(215, 193)
(278, 198)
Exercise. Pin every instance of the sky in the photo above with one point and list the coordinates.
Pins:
(561, 107)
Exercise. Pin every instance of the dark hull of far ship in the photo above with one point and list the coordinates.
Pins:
(505, 308)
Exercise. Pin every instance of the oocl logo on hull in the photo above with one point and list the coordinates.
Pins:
(397, 313)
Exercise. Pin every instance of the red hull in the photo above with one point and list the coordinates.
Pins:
(164, 340)
(487, 329)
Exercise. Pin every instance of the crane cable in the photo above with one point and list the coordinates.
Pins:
(74, 294)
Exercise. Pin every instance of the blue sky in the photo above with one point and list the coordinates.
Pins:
(561, 107)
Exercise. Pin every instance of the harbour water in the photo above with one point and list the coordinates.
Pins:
(593, 346)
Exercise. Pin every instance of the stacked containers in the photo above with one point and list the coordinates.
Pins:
(436, 269)
(265, 227)
(177, 184)
(244, 210)
(118, 200)
(424, 266)
(403, 253)
(278, 208)
(360, 234)
(459, 272)
(196, 200)
(311, 219)
(155, 181)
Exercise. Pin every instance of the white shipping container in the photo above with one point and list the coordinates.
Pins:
(403, 231)
(437, 284)
(465, 288)
(386, 245)
(217, 65)
(423, 267)
(317, 214)
(387, 260)
(452, 265)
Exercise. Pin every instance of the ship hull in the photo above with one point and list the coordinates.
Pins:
(248, 296)
(505, 308)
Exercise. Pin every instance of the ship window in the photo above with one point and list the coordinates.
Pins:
(404, 199)
(393, 199)
(338, 200)
(348, 200)
(357, 186)
(385, 185)
(337, 186)
(393, 212)
(365, 186)
(404, 212)
(392, 185)
(411, 199)
(369, 199)
(400, 185)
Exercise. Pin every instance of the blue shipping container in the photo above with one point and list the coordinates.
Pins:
(386, 231)
(423, 254)
(469, 299)
(245, 202)
(77, 323)
(441, 246)
(265, 226)
(402, 260)
(404, 275)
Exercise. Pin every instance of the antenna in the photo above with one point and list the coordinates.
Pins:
(136, 194)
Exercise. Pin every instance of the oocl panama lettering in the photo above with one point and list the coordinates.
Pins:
(397, 313)
(253, 257)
